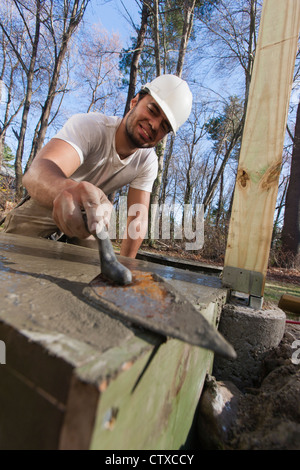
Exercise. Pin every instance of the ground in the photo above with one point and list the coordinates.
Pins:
(284, 275)
(269, 416)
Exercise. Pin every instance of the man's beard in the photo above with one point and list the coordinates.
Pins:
(136, 141)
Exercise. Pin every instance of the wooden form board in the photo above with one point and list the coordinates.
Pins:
(77, 378)
(251, 224)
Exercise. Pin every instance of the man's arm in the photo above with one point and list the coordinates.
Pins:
(48, 181)
(137, 221)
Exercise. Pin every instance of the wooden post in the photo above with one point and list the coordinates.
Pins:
(251, 223)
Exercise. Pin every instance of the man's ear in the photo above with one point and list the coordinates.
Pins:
(134, 101)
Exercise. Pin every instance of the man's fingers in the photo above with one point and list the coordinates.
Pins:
(98, 214)
(67, 215)
(68, 206)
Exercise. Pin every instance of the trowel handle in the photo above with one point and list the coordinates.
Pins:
(110, 266)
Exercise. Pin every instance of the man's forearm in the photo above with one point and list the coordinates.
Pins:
(44, 181)
(129, 247)
(48, 180)
(134, 236)
(50, 171)
(137, 222)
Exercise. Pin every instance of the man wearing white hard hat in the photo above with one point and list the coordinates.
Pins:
(92, 156)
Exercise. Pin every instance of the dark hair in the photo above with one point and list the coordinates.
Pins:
(142, 93)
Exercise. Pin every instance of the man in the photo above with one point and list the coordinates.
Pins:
(92, 156)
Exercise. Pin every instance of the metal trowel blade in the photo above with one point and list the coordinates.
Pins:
(152, 303)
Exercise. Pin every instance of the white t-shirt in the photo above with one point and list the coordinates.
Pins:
(93, 137)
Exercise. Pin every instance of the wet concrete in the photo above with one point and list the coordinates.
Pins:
(42, 285)
(152, 302)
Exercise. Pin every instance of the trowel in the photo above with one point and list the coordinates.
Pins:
(147, 300)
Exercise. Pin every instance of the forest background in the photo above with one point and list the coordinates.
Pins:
(57, 59)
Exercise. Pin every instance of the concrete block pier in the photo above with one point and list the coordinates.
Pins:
(253, 333)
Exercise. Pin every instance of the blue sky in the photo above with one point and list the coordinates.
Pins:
(112, 15)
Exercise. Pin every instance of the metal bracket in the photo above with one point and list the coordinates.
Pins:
(245, 300)
(243, 280)
(247, 282)
(256, 302)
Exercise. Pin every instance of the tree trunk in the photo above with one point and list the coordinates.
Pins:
(136, 56)
(164, 181)
(279, 209)
(156, 38)
(160, 150)
(1, 148)
(251, 50)
(30, 77)
(8, 69)
(213, 185)
(189, 6)
(75, 18)
(220, 201)
(189, 184)
(291, 227)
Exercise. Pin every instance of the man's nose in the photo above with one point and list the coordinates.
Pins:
(155, 123)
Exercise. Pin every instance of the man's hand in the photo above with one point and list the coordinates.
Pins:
(68, 206)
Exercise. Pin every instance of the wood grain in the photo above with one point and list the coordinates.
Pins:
(260, 160)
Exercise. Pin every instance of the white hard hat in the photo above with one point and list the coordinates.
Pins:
(173, 96)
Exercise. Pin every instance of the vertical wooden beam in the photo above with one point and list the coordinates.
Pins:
(251, 224)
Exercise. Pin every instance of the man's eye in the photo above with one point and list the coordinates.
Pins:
(166, 127)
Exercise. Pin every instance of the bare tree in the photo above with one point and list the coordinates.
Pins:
(190, 152)
(226, 132)
(70, 15)
(188, 9)
(29, 14)
(146, 5)
(98, 71)
(229, 37)
(9, 96)
(232, 36)
(291, 227)
(46, 29)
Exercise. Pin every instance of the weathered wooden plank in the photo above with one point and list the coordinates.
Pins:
(49, 373)
(30, 419)
(79, 417)
(259, 168)
(139, 409)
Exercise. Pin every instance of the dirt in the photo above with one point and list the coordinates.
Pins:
(268, 417)
(284, 275)
(264, 417)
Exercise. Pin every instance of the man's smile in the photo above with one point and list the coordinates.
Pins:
(145, 134)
